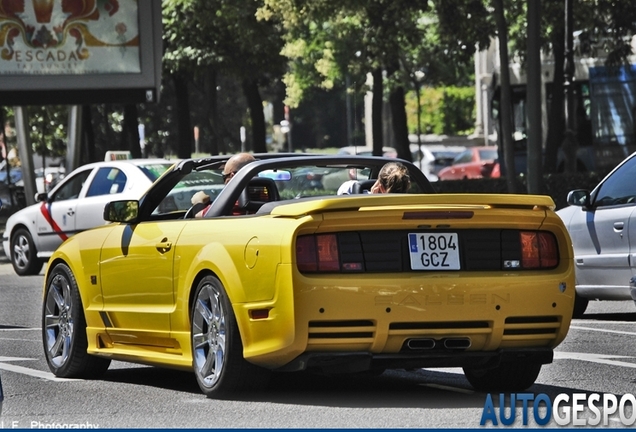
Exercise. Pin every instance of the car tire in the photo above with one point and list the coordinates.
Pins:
(64, 329)
(580, 305)
(217, 350)
(23, 254)
(507, 377)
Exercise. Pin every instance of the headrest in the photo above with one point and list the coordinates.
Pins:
(259, 191)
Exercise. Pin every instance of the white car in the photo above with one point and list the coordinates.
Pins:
(73, 205)
(602, 224)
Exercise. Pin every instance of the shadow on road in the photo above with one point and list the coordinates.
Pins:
(422, 388)
(620, 316)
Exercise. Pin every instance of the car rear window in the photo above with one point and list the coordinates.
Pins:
(488, 154)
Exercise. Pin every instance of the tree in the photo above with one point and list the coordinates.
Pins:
(328, 40)
(211, 37)
(604, 25)
(506, 100)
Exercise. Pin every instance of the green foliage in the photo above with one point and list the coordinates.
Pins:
(222, 34)
(444, 111)
(459, 110)
(46, 127)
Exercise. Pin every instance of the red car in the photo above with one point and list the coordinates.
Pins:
(474, 162)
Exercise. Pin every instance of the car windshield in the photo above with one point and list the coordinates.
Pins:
(290, 182)
(154, 171)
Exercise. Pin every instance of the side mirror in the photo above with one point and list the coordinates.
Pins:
(41, 197)
(579, 198)
(121, 211)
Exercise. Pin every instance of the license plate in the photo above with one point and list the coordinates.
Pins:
(439, 251)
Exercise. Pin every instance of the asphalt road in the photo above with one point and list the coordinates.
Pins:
(598, 356)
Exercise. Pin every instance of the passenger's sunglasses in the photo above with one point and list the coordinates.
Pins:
(228, 175)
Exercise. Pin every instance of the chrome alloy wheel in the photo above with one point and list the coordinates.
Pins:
(58, 320)
(21, 252)
(209, 335)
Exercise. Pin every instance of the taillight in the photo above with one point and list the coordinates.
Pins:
(317, 253)
(538, 250)
(306, 257)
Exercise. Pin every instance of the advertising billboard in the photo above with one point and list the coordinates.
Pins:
(79, 51)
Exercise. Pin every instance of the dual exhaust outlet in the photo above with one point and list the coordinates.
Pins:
(420, 344)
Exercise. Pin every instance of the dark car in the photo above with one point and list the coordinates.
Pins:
(1, 396)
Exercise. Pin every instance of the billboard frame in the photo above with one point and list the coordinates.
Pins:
(92, 88)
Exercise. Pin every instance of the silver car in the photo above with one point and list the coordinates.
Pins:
(75, 204)
(602, 224)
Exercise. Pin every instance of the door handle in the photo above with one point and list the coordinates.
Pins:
(164, 246)
(618, 226)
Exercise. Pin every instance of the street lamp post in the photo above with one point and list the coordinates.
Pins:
(569, 142)
(418, 77)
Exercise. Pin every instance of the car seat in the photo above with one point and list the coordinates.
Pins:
(362, 186)
(259, 191)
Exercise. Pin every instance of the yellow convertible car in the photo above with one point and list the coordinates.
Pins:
(282, 274)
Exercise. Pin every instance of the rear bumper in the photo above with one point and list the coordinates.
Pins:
(353, 362)
(410, 320)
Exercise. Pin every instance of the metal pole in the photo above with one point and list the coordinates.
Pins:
(74, 137)
(349, 107)
(569, 142)
(26, 154)
(534, 132)
(419, 126)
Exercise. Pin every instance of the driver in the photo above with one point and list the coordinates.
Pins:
(232, 166)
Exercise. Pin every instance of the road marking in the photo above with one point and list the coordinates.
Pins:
(10, 359)
(603, 330)
(595, 358)
(19, 329)
(20, 339)
(26, 371)
(448, 388)
(32, 372)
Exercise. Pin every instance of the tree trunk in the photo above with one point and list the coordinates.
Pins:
(130, 133)
(255, 104)
(185, 134)
(212, 115)
(506, 100)
(400, 128)
(376, 112)
(556, 119)
(89, 134)
(534, 131)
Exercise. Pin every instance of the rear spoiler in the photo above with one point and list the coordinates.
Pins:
(438, 202)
